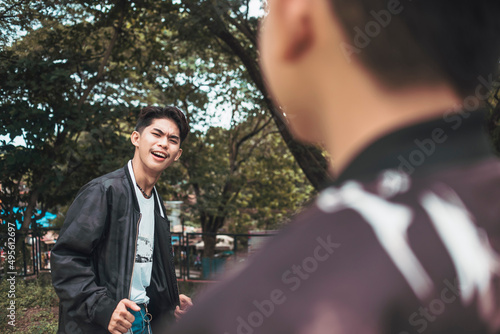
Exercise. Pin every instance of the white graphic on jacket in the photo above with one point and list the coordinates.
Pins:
(475, 262)
(389, 221)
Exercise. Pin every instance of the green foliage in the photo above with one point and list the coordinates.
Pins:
(44, 322)
(278, 190)
(257, 186)
(32, 298)
(494, 116)
(75, 76)
(53, 94)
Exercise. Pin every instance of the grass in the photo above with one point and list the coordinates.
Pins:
(37, 305)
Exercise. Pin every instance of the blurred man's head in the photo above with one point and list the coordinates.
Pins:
(422, 45)
(404, 43)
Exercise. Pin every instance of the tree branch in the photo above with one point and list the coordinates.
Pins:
(2, 15)
(243, 28)
(104, 60)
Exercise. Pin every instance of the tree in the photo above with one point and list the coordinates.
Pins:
(57, 95)
(75, 73)
(277, 188)
(71, 83)
(243, 174)
(226, 25)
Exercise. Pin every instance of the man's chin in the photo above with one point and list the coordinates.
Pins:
(158, 166)
(304, 135)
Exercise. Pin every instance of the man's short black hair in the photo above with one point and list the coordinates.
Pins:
(150, 113)
(408, 42)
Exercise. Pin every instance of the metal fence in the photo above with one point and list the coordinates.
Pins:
(231, 250)
(32, 254)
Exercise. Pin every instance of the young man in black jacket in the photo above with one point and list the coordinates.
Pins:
(408, 238)
(112, 265)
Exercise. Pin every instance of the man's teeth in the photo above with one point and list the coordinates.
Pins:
(158, 154)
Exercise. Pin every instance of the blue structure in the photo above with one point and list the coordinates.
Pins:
(42, 222)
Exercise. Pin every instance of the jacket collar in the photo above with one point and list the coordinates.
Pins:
(453, 139)
(132, 187)
(159, 207)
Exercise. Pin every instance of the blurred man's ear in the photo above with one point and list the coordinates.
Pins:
(295, 19)
(299, 28)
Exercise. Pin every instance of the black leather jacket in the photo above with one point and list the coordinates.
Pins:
(93, 258)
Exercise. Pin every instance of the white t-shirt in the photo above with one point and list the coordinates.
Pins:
(141, 275)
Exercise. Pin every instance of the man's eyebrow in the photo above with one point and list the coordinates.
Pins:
(162, 133)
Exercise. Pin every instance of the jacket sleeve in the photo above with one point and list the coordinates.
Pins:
(73, 275)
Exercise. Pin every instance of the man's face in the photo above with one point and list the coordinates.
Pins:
(158, 145)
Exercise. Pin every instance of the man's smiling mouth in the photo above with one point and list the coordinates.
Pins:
(160, 154)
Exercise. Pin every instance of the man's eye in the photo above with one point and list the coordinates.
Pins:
(156, 134)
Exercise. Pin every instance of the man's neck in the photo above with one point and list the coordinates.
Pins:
(374, 113)
(146, 180)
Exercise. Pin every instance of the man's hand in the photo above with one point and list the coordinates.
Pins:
(122, 319)
(186, 303)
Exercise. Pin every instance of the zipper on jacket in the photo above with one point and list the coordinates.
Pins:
(135, 254)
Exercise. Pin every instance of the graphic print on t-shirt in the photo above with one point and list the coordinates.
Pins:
(144, 250)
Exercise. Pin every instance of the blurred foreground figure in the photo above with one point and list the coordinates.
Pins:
(408, 238)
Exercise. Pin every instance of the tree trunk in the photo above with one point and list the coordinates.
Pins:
(211, 225)
(311, 161)
(28, 214)
(209, 241)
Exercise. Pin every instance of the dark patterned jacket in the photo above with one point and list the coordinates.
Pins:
(405, 242)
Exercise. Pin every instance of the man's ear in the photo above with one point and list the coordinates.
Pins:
(297, 26)
(134, 138)
(178, 154)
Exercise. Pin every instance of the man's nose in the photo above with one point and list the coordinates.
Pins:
(163, 142)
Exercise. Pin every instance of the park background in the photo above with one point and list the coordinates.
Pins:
(73, 77)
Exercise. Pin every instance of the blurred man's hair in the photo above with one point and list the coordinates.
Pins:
(424, 41)
(148, 114)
